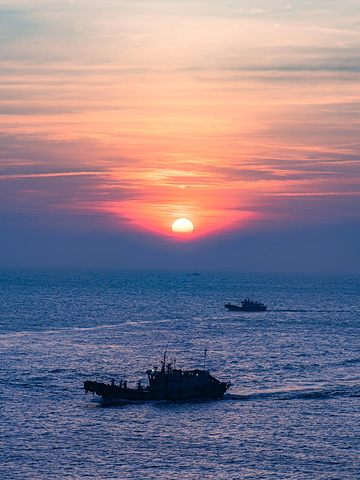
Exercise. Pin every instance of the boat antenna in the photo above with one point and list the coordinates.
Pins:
(205, 357)
(166, 349)
(165, 354)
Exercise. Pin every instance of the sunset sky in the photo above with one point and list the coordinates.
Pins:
(119, 117)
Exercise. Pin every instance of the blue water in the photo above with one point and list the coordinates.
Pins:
(293, 411)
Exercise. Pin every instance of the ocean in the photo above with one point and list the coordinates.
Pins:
(292, 411)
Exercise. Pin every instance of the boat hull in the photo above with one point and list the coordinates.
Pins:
(236, 308)
(113, 393)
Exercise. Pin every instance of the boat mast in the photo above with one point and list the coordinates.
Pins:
(205, 357)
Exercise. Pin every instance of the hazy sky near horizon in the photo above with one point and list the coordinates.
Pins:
(118, 117)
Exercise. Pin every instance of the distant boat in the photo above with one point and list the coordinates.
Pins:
(167, 384)
(247, 305)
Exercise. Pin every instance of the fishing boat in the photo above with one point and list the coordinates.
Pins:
(247, 305)
(168, 383)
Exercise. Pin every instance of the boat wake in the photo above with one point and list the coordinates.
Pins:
(298, 394)
(293, 310)
(302, 310)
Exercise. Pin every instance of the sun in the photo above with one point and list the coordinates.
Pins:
(182, 225)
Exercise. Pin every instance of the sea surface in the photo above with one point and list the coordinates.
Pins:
(293, 411)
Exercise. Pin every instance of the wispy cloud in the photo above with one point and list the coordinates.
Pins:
(318, 194)
(49, 175)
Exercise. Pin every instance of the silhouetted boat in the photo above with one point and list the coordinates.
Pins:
(167, 384)
(247, 305)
